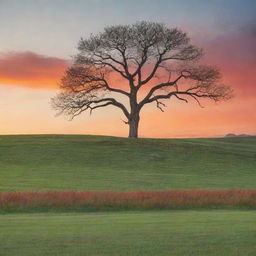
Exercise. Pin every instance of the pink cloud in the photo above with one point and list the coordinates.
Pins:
(28, 69)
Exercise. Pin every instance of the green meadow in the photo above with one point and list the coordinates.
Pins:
(74, 162)
(161, 233)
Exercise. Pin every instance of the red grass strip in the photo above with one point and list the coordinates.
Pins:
(128, 200)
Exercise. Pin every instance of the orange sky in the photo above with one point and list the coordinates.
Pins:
(37, 75)
(29, 77)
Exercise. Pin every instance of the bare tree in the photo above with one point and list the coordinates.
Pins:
(154, 63)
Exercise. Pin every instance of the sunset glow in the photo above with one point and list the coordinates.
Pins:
(34, 56)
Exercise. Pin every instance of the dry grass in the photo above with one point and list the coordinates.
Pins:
(92, 200)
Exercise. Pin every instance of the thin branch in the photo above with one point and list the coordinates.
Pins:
(102, 63)
(180, 98)
(160, 104)
(198, 102)
(151, 75)
(99, 106)
(109, 57)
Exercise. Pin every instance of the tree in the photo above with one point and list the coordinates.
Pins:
(154, 63)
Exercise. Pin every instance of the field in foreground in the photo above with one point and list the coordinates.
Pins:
(58, 162)
(97, 163)
(161, 233)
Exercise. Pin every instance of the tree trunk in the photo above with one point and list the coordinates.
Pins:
(134, 117)
(133, 126)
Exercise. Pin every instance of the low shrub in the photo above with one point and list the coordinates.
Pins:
(97, 200)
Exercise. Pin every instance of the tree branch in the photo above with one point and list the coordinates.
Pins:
(160, 105)
(102, 63)
(194, 95)
(114, 102)
(116, 90)
(157, 87)
(74, 106)
(151, 75)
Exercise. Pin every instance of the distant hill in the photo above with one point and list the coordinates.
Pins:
(80, 162)
(237, 135)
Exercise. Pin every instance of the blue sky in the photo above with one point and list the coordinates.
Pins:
(54, 27)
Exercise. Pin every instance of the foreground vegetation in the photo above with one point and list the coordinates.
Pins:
(49, 162)
(65, 222)
(161, 233)
(91, 200)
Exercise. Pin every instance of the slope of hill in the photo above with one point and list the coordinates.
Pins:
(77, 162)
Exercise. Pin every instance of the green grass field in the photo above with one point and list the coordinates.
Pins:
(56, 162)
(153, 233)
(105, 163)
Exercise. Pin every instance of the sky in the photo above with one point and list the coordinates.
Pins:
(39, 37)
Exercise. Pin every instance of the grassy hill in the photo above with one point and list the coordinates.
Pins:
(77, 162)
